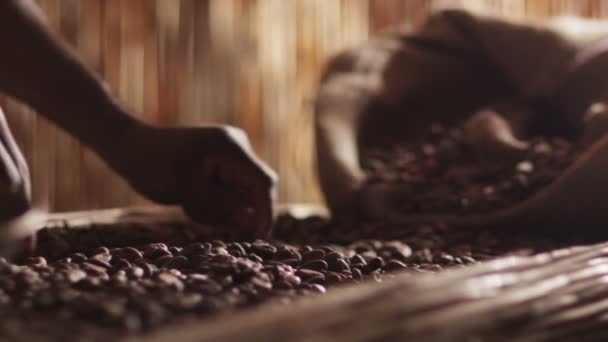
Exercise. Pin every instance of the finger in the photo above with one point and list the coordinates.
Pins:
(490, 135)
(596, 124)
(213, 205)
(257, 186)
(265, 210)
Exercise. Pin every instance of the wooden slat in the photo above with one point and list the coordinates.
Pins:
(252, 63)
(556, 296)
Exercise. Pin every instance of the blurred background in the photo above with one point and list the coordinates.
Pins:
(249, 63)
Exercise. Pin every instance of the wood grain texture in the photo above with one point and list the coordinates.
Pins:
(556, 296)
(250, 63)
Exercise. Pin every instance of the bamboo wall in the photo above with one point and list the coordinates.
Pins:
(250, 63)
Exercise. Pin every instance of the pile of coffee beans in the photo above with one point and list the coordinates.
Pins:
(135, 289)
(441, 174)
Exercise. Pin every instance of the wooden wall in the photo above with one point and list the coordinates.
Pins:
(250, 63)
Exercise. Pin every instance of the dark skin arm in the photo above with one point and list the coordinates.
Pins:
(211, 171)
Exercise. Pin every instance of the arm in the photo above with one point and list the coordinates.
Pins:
(39, 69)
(211, 171)
(352, 81)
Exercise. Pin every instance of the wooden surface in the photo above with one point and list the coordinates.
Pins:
(252, 63)
(557, 296)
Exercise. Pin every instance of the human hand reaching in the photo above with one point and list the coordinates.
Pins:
(211, 171)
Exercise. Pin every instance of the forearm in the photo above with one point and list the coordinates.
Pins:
(338, 109)
(38, 68)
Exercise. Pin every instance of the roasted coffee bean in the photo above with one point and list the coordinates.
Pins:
(127, 253)
(395, 265)
(334, 256)
(218, 243)
(36, 261)
(236, 249)
(287, 254)
(338, 265)
(357, 259)
(120, 264)
(92, 269)
(317, 254)
(156, 253)
(194, 248)
(223, 259)
(264, 250)
(102, 260)
(375, 263)
(175, 250)
(135, 272)
(333, 278)
(318, 265)
(306, 249)
(167, 279)
(255, 257)
(99, 250)
(293, 280)
(176, 262)
(78, 257)
(317, 288)
(159, 262)
(292, 262)
(306, 274)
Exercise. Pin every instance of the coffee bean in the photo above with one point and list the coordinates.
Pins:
(99, 250)
(376, 263)
(315, 265)
(160, 261)
(255, 257)
(156, 253)
(89, 283)
(218, 243)
(292, 262)
(99, 262)
(135, 272)
(293, 280)
(36, 261)
(194, 248)
(169, 280)
(316, 288)
(176, 262)
(334, 256)
(92, 269)
(236, 249)
(78, 257)
(74, 276)
(286, 254)
(305, 249)
(127, 253)
(316, 254)
(333, 278)
(175, 250)
(357, 259)
(395, 265)
(266, 251)
(338, 265)
(120, 264)
(306, 274)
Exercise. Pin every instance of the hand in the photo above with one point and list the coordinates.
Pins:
(15, 184)
(211, 171)
(492, 138)
(595, 124)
